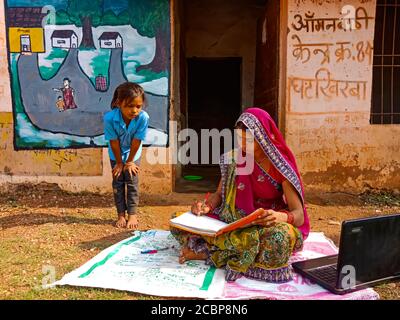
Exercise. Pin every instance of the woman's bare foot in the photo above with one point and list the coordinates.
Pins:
(121, 222)
(133, 222)
(186, 255)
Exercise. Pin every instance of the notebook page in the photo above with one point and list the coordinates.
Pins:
(188, 219)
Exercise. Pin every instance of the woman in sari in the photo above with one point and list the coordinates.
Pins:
(262, 249)
(68, 94)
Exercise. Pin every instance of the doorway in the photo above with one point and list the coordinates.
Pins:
(214, 98)
(213, 102)
(227, 57)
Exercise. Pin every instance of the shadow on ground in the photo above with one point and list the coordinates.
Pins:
(36, 219)
(105, 242)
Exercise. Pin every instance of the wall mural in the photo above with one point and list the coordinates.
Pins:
(66, 57)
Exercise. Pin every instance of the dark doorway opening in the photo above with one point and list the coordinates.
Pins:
(213, 102)
(248, 30)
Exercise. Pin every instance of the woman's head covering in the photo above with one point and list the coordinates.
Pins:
(264, 130)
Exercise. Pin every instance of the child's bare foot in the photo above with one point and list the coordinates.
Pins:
(133, 222)
(121, 222)
(186, 255)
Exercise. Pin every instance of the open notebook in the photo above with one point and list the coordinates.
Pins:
(207, 226)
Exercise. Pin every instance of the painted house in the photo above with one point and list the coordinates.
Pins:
(329, 78)
(25, 32)
(111, 40)
(64, 39)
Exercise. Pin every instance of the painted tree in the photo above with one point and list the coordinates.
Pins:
(86, 14)
(112, 19)
(151, 19)
(62, 17)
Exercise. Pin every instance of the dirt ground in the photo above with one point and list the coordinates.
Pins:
(42, 225)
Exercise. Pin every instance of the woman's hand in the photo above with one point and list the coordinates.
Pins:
(199, 208)
(269, 218)
(210, 202)
(117, 170)
(132, 168)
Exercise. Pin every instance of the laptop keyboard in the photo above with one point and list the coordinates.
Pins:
(327, 274)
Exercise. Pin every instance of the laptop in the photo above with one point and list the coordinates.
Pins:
(369, 254)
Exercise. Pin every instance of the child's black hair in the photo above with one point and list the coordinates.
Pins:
(67, 79)
(127, 90)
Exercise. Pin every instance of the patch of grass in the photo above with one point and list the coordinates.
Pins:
(381, 198)
(27, 249)
(23, 257)
(57, 53)
(12, 201)
(36, 237)
(75, 293)
(100, 65)
(389, 291)
(49, 72)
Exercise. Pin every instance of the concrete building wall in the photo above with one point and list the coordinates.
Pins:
(327, 118)
(335, 145)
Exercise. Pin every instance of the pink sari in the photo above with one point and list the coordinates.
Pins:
(260, 189)
(255, 252)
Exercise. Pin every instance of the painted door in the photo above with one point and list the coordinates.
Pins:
(25, 43)
(266, 89)
(74, 42)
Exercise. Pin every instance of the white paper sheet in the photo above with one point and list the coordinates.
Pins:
(203, 223)
(123, 267)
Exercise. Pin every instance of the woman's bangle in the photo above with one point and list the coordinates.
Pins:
(290, 218)
(210, 205)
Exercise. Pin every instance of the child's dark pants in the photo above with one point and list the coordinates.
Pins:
(126, 200)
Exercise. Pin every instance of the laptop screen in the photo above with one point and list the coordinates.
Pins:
(369, 249)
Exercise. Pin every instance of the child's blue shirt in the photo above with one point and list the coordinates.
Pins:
(116, 129)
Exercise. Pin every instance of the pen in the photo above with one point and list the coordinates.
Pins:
(206, 198)
(205, 201)
(152, 251)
